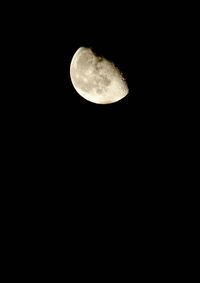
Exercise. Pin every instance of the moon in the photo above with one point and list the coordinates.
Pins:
(95, 78)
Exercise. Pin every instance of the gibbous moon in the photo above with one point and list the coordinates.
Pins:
(95, 78)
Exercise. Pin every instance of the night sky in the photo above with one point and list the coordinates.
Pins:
(89, 174)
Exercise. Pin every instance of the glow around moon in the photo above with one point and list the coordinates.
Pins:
(95, 78)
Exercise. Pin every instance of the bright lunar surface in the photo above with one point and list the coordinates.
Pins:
(95, 78)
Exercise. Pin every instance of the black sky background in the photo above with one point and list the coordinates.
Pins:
(76, 171)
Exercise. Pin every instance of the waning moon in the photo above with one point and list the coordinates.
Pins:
(95, 78)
